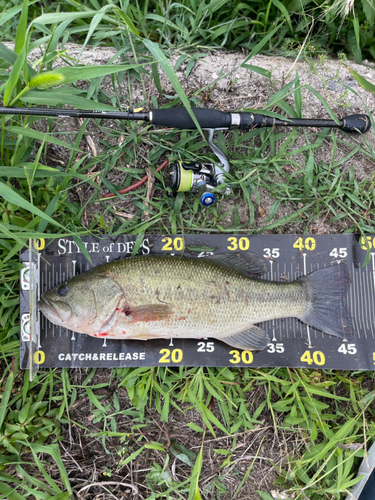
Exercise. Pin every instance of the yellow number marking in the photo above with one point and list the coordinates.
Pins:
(246, 357)
(39, 244)
(176, 356)
(306, 357)
(39, 357)
(244, 244)
(233, 245)
(309, 244)
(298, 244)
(178, 244)
(317, 357)
(366, 243)
(168, 245)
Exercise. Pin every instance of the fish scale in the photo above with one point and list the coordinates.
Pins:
(176, 297)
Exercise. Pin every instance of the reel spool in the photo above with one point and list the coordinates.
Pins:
(193, 177)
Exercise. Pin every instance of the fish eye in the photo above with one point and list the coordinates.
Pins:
(62, 290)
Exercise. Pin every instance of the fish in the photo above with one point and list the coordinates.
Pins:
(222, 297)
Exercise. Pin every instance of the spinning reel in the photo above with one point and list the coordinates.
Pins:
(202, 178)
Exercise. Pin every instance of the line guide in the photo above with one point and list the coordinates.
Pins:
(292, 343)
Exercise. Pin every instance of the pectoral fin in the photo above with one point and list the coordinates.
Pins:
(254, 338)
(149, 312)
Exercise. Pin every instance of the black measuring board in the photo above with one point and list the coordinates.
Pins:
(292, 343)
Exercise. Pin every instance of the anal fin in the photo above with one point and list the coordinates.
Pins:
(252, 339)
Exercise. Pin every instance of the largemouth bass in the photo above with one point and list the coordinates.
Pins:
(150, 297)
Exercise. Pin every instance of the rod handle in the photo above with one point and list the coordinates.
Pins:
(180, 118)
(355, 124)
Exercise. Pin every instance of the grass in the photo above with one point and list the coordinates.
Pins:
(322, 420)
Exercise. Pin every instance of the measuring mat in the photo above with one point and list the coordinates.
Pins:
(292, 343)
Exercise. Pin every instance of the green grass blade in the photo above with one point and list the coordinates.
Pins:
(7, 393)
(13, 197)
(22, 28)
(258, 47)
(324, 102)
(171, 75)
(60, 17)
(54, 98)
(35, 134)
(362, 81)
(14, 75)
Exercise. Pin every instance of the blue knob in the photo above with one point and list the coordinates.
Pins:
(207, 199)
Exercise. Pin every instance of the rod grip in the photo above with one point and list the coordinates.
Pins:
(355, 124)
(180, 118)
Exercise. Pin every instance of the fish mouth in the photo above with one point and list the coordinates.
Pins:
(53, 311)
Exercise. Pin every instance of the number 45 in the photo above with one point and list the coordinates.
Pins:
(347, 349)
(341, 252)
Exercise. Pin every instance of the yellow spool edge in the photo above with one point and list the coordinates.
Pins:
(186, 179)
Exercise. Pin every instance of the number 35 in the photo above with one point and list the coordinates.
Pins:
(271, 252)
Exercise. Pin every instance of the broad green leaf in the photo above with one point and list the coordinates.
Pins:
(263, 495)
(129, 23)
(9, 14)
(257, 69)
(362, 81)
(368, 7)
(60, 17)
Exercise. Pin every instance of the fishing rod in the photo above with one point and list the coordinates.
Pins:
(194, 176)
(207, 118)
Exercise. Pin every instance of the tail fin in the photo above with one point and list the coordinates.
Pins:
(328, 289)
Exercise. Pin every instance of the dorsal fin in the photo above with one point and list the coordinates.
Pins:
(248, 264)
